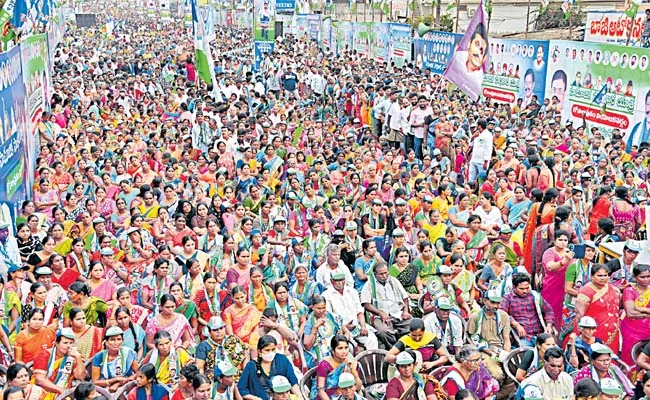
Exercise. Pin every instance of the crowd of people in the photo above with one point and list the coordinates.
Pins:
(229, 241)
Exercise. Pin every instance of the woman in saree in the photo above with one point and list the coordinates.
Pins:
(182, 334)
(189, 252)
(199, 221)
(468, 372)
(138, 252)
(599, 209)
(18, 376)
(211, 243)
(496, 271)
(407, 274)
(62, 243)
(635, 327)
(78, 259)
(120, 217)
(241, 317)
(41, 257)
(259, 294)
(117, 364)
(256, 377)
(578, 274)
(27, 242)
(600, 300)
(101, 287)
(89, 338)
(516, 209)
(167, 358)
(38, 299)
(545, 238)
(35, 337)
(155, 285)
(185, 307)
(192, 280)
(304, 289)
(94, 308)
(320, 328)
(464, 280)
(556, 260)
(105, 205)
(331, 367)
(291, 312)
(134, 336)
(442, 286)
(427, 263)
(626, 215)
(137, 313)
(459, 214)
(239, 273)
(426, 345)
(407, 381)
(476, 240)
(540, 214)
(209, 300)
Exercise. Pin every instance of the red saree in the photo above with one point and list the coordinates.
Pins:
(531, 226)
(604, 307)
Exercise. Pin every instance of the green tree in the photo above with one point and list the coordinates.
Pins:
(554, 17)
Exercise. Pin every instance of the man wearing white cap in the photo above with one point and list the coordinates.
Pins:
(347, 388)
(344, 301)
(446, 325)
(578, 348)
(56, 368)
(280, 388)
(55, 293)
(610, 389)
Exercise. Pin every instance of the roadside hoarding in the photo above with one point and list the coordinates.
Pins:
(613, 27)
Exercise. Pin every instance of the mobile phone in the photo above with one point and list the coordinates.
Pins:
(578, 250)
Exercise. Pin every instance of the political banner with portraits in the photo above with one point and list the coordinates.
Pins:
(399, 48)
(577, 71)
(517, 70)
(326, 34)
(382, 39)
(362, 35)
(434, 50)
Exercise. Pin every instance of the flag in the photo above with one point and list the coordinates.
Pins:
(6, 13)
(488, 7)
(566, 7)
(598, 99)
(544, 4)
(452, 4)
(469, 63)
(632, 7)
(204, 63)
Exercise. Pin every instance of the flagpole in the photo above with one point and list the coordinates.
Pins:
(629, 34)
(527, 20)
(458, 14)
(570, 23)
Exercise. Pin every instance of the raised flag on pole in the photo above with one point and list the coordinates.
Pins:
(470, 61)
(204, 63)
(631, 8)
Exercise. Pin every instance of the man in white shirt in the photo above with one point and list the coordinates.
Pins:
(447, 326)
(388, 304)
(552, 380)
(418, 126)
(333, 263)
(395, 134)
(481, 151)
(344, 301)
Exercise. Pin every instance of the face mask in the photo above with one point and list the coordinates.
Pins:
(268, 357)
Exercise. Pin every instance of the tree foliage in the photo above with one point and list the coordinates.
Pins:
(554, 17)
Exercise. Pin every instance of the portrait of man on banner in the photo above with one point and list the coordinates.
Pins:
(470, 62)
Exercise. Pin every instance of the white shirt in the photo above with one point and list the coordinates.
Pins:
(453, 329)
(562, 388)
(346, 305)
(395, 113)
(389, 297)
(482, 150)
(323, 274)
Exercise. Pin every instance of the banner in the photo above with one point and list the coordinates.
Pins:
(187, 17)
(399, 48)
(576, 73)
(613, 27)
(517, 70)
(285, 6)
(34, 56)
(381, 44)
(165, 12)
(342, 33)
(361, 39)
(434, 50)
(13, 185)
(313, 22)
(326, 34)
(262, 48)
(264, 20)
(8, 33)
(228, 18)
(301, 26)
(288, 22)
(470, 62)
